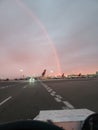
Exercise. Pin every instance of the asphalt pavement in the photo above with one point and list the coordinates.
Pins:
(23, 100)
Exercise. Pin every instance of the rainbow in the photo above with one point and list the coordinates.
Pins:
(39, 23)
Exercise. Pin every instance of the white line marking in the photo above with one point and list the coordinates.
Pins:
(8, 86)
(4, 87)
(58, 96)
(50, 90)
(57, 99)
(5, 100)
(44, 85)
(53, 93)
(68, 105)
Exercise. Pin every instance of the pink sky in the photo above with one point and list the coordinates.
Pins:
(55, 35)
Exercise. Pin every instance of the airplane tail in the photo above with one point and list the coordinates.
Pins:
(44, 72)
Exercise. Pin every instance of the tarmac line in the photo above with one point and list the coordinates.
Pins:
(58, 98)
(70, 106)
(53, 93)
(4, 87)
(4, 101)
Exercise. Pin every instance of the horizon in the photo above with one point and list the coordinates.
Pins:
(48, 75)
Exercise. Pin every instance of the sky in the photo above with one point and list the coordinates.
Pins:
(60, 36)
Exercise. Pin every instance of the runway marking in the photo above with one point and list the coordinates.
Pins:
(58, 98)
(44, 85)
(5, 100)
(8, 86)
(49, 90)
(68, 105)
(53, 93)
(4, 87)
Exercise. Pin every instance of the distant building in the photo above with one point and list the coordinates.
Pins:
(97, 73)
(91, 75)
